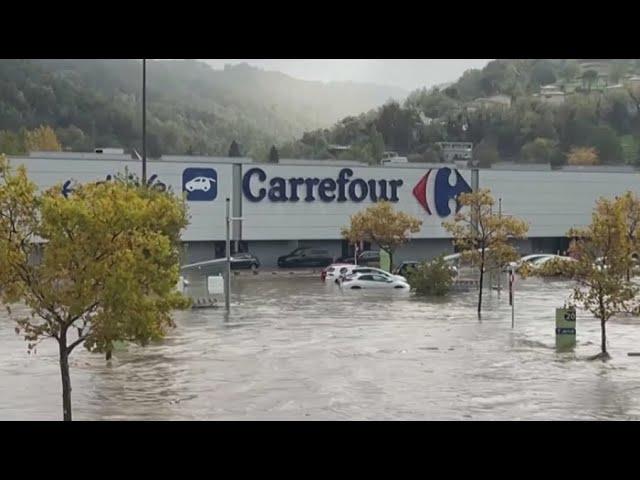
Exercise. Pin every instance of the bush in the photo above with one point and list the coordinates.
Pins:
(431, 278)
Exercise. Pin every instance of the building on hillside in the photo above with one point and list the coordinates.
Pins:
(551, 94)
(456, 151)
(493, 101)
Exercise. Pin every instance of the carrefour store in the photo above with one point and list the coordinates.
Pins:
(306, 203)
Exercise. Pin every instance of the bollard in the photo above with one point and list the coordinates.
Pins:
(566, 328)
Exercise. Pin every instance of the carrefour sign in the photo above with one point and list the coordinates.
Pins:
(433, 191)
(341, 189)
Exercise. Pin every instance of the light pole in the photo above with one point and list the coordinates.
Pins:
(227, 285)
(144, 121)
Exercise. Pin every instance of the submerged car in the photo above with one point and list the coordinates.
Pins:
(335, 271)
(377, 271)
(373, 281)
(306, 257)
(244, 260)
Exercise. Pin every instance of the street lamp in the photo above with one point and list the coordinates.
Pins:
(227, 286)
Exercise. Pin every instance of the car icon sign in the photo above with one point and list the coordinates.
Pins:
(200, 183)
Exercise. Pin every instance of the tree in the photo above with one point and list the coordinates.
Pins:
(382, 225)
(629, 203)
(570, 70)
(583, 156)
(431, 278)
(541, 150)
(589, 78)
(42, 138)
(11, 143)
(95, 268)
(274, 157)
(602, 262)
(607, 144)
(486, 154)
(234, 150)
(617, 71)
(482, 235)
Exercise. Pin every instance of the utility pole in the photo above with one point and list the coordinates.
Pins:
(144, 121)
(500, 266)
(227, 280)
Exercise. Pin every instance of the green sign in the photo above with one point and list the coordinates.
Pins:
(385, 261)
(565, 328)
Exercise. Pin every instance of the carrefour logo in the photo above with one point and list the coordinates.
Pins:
(434, 190)
(201, 184)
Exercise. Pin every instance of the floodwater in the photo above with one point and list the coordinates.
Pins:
(296, 349)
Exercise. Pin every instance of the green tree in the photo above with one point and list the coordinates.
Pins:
(617, 71)
(382, 225)
(486, 154)
(234, 150)
(11, 143)
(570, 71)
(274, 157)
(482, 235)
(589, 78)
(606, 142)
(95, 268)
(541, 150)
(42, 138)
(431, 278)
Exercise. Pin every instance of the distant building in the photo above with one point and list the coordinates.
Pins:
(551, 94)
(495, 100)
(456, 151)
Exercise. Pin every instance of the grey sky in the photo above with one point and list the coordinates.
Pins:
(408, 74)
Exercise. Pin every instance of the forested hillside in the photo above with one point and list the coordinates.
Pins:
(191, 108)
(521, 110)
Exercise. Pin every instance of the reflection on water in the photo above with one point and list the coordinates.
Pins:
(294, 348)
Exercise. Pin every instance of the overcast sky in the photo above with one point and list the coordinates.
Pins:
(408, 74)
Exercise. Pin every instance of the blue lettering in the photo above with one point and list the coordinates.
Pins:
(310, 183)
(327, 185)
(343, 178)
(294, 182)
(246, 184)
(394, 184)
(364, 191)
(277, 192)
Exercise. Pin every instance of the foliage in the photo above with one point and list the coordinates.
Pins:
(486, 154)
(541, 150)
(42, 138)
(431, 278)
(274, 157)
(234, 150)
(603, 262)
(382, 225)
(95, 268)
(482, 235)
(583, 156)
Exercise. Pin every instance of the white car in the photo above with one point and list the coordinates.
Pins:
(377, 271)
(362, 281)
(337, 270)
(200, 183)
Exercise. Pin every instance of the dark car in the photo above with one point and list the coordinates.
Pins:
(405, 267)
(244, 260)
(306, 257)
(369, 258)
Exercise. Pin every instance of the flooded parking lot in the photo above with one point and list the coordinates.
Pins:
(296, 349)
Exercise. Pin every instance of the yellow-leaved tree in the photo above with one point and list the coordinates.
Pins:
(382, 225)
(603, 260)
(583, 156)
(482, 235)
(42, 138)
(97, 267)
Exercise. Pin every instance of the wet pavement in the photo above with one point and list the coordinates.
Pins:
(297, 349)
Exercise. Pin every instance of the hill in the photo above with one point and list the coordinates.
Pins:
(191, 108)
(522, 110)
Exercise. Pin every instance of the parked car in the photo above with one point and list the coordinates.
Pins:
(244, 260)
(372, 281)
(334, 271)
(358, 270)
(405, 267)
(306, 257)
(368, 257)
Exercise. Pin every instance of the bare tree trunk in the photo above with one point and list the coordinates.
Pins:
(66, 379)
(603, 347)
